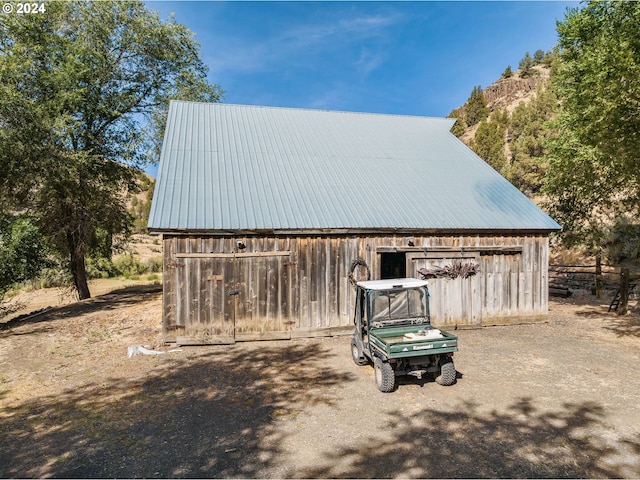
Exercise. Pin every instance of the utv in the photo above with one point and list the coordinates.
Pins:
(393, 330)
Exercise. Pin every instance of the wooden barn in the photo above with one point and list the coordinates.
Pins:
(263, 210)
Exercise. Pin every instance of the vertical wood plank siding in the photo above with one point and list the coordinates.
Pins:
(290, 286)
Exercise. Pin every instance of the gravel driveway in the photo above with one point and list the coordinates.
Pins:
(555, 399)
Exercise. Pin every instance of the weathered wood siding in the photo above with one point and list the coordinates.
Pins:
(280, 287)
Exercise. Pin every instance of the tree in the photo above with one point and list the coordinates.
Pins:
(526, 66)
(458, 127)
(489, 140)
(581, 195)
(594, 156)
(84, 91)
(622, 245)
(538, 57)
(22, 252)
(476, 107)
(529, 131)
(598, 77)
(507, 72)
(549, 58)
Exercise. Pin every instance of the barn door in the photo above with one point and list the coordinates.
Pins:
(205, 301)
(223, 298)
(452, 300)
(262, 305)
(220, 305)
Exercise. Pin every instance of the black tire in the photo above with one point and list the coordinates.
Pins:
(355, 354)
(447, 373)
(385, 376)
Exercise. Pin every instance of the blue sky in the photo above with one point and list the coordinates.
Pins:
(407, 58)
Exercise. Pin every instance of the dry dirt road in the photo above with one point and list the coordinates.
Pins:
(555, 399)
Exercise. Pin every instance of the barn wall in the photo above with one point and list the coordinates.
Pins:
(287, 286)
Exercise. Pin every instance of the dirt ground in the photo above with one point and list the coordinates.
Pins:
(555, 399)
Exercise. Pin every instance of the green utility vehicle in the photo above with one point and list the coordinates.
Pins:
(393, 330)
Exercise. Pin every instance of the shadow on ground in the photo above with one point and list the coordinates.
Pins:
(208, 415)
(622, 325)
(525, 442)
(221, 415)
(114, 300)
(625, 325)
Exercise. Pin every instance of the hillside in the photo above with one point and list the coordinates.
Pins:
(506, 94)
(506, 125)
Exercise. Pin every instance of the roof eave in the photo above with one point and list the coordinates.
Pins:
(355, 231)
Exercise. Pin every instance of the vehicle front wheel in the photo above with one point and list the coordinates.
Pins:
(447, 373)
(385, 376)
(355, 354)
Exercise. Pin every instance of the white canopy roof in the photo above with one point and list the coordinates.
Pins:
(392, 283)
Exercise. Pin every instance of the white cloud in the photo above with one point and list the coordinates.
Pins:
(297, 44)
(368, 61)
(350, 29)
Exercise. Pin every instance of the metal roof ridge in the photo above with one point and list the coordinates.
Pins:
(307, 109)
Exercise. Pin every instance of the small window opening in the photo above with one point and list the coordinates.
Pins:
(393, 265)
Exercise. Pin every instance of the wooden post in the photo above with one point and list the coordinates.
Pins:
(624, 291)
(598, 275)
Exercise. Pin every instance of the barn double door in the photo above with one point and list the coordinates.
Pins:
(226, 298)
(452, 300)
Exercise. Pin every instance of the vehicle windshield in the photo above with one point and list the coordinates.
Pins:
(398, 307)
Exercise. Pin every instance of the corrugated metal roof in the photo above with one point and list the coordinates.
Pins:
(235, 167)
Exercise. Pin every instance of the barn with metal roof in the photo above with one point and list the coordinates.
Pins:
(263, 211)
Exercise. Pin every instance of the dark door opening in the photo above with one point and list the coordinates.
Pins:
(393, 265)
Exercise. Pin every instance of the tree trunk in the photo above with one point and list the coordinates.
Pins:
(598, 275)
(624, 291)
(79, 270)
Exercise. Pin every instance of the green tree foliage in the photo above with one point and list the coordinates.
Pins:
(489, 140)
(476, 107)
(526, 66)
(84, 91)
(548, 59)
(515, 144)
(507, 72)
(538, 57)
(22, 252)
(594, 156)
(622, 244)
(598, 77)
(528, 132)
(458, 127)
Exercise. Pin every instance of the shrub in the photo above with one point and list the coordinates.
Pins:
(22, 251)
(129, 266)
(54, 277)
(155, 264)
(101, 268)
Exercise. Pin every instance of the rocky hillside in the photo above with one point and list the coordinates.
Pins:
(506, 94)
(506, 124)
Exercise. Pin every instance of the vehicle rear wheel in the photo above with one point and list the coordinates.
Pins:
(385, 376)
(447, 373)
(355, 354)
